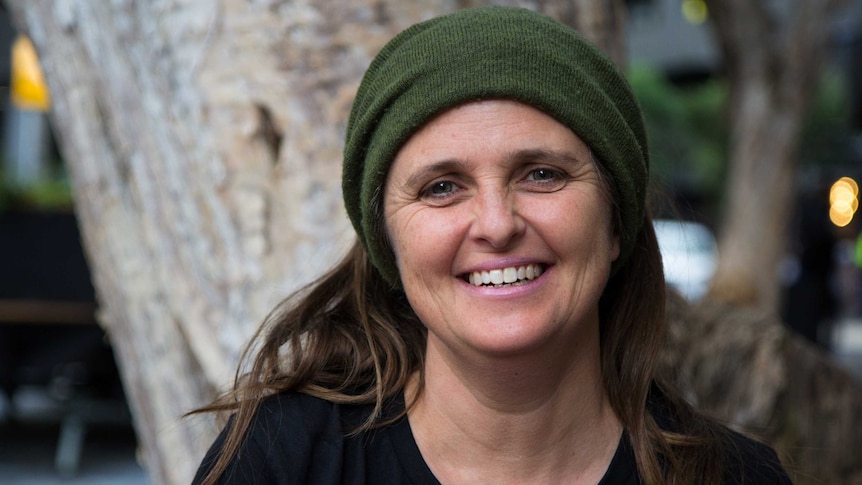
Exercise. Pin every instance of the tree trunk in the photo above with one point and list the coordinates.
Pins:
(203, 140)
(602, 22)
(772, 59)
(745, 368)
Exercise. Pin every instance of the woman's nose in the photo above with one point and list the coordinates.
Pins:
(497, 221)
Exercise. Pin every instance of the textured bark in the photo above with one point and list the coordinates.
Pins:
(772, 58)
(203, 140)
(746, 369)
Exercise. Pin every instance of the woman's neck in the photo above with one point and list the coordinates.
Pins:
(531, 418)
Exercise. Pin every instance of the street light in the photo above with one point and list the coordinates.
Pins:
(843, 201)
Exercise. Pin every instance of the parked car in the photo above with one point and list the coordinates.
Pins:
(689, 252)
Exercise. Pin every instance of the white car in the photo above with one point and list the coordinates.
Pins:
(689, 253)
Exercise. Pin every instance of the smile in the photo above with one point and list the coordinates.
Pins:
(505, 276)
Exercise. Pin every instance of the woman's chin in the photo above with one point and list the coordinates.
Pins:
(502, 340)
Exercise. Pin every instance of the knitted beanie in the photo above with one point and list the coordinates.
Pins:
(489, 53)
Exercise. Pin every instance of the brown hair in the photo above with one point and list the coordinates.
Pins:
(350, 337)
(632, 331)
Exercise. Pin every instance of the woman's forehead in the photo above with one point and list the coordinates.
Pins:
(492, 125)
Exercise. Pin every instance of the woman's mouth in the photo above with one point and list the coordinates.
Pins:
(512, 275)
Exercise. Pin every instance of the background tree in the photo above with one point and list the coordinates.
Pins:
(773, 54)
(203, 140)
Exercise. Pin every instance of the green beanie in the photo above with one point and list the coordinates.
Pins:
(489, 53)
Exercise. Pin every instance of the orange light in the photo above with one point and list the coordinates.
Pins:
(843, 201)
(840, 218)
(28, 89)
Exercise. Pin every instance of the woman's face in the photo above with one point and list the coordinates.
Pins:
(501, 230)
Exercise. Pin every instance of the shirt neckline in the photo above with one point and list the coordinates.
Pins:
(622, 468)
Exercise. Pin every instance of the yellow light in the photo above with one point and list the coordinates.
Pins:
(840, 218)
(851, 183)
(28, 89)
(841, 193)
(843, 201)
(846, 205)
(695, 11)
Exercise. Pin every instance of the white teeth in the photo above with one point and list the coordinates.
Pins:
(511, 274)
(496, 276)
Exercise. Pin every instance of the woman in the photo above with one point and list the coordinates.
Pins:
(500, 318)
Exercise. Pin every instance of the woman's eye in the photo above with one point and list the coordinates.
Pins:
(541, 174)
(545, 179)
(442, 188)
(439, 189)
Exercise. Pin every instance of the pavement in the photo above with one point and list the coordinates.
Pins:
(40, 445)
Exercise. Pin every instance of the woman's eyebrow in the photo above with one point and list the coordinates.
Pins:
(541, 154)
(435, 169)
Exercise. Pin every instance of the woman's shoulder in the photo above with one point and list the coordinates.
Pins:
(307, 434)
(745, 460)
(749, 461)
(288, 403)
(299, 416)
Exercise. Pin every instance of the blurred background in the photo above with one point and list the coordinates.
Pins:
(63, 413)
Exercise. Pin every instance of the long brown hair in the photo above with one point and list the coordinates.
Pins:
(347, 337)
(632, 333)
(351, 337)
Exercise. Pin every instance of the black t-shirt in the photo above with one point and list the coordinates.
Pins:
(299, 439)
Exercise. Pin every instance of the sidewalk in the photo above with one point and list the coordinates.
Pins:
(29, 443)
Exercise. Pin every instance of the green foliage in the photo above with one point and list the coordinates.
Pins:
(686, 128)
(826, 134)
(689, 138)
(50, 194)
